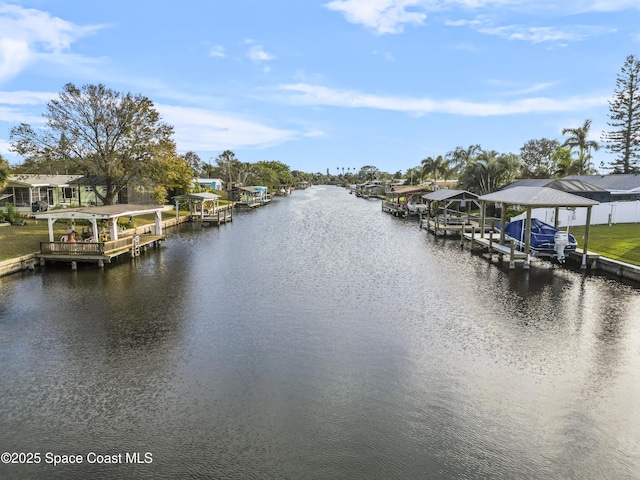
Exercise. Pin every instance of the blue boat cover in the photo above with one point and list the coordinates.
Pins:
(542, 235)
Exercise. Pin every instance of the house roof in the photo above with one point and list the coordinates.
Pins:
(440, 195)
(564, 184)
(88, 180)
(613, 182)
(537, 197)
(34, 180)
(103, 212)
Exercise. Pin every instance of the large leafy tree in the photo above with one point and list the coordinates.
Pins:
(538, 158)
(281, 170)
(369, 173)
(578, 138)
(4, 172)
(624, 113)
(193, 160)
(117, 137)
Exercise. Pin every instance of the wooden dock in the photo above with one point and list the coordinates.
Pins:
(394, 208)
(217, 216)
(491, 244)
(96, 252)
(452, 226)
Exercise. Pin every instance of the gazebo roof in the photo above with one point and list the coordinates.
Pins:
(103, 212)
(200, 197)
(405, 189)
(440, 195)
(537, 197)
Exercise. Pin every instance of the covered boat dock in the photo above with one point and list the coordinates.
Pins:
(449, 212)
(99, 247)
(529, 198)
(402, 200)
(205, 207)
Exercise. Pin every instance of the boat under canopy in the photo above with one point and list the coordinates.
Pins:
(545, 239)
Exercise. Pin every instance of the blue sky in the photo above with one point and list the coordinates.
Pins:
(323, 84)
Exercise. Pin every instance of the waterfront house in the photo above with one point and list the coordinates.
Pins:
(620, 186)
(31, 192)
(211, 183)
(574, 186)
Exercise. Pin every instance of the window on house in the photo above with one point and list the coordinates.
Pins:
(68, 193)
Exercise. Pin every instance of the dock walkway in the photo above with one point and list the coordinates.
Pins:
(491, 244)
(96, 252)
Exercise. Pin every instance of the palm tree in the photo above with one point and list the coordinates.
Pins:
(489, 171)
(578, 139)
(435, 166)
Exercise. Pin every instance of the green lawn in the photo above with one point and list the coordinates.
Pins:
(619, 242)
(16, 241)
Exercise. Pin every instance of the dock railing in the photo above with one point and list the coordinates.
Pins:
(85, 248)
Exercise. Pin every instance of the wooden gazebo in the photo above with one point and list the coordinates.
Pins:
(93, 249)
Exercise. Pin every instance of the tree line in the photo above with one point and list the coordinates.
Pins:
(119, 139)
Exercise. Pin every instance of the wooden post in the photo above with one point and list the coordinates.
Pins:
(586, 239)
(113, 228)
(527, 239)
(503, 221)
(158, 223)
(50, 222)
(512, 260)
(482, 218)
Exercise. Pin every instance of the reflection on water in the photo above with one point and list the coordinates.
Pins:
(321, 338)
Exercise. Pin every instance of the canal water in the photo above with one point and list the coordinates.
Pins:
(318, 338)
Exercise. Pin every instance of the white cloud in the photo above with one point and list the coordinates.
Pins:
(463, 23)
(383, 16)
(609, 5)
(4, 147)
(23, 97)
(315, 133)
(201, 130)
(304, 94)
(217, 51)
(545, 34)
(509, 89)
(391, 16)
(386, 55)
(29, 34)
(257, 54)
(16, 107)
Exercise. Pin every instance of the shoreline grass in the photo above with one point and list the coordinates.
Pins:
(619, 242)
